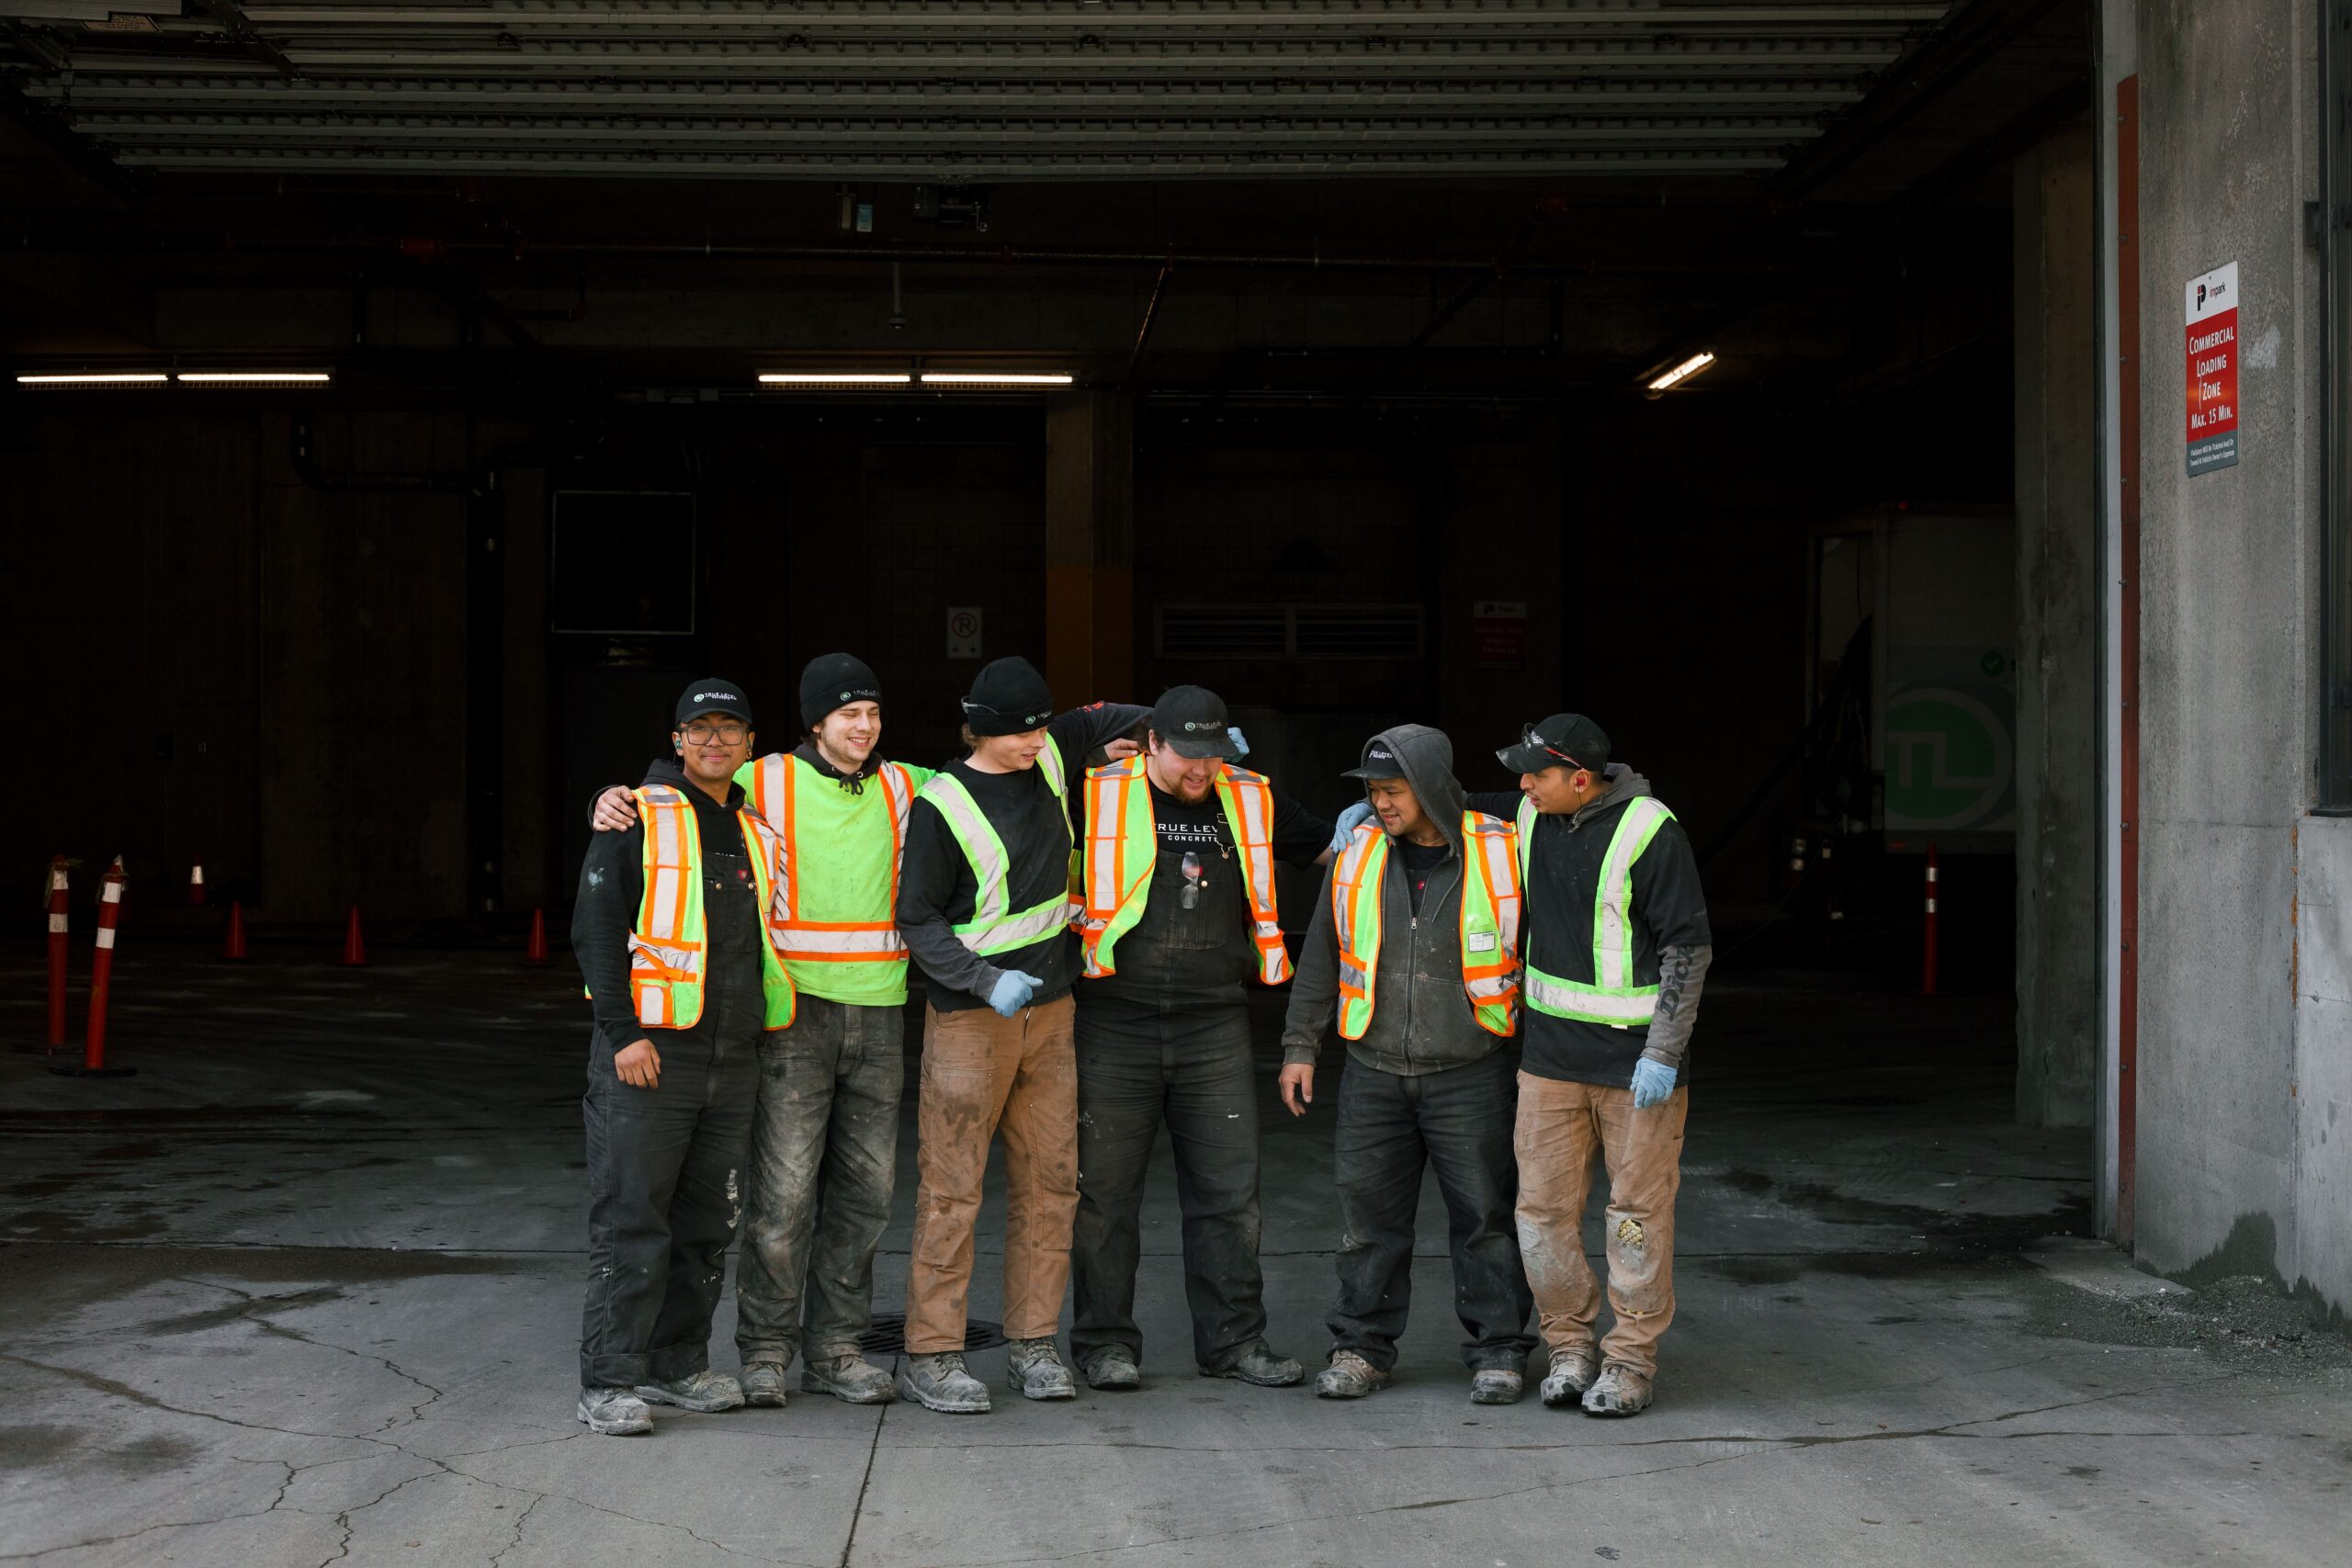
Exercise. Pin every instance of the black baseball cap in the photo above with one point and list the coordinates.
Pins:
(1380, 761)
(711, 694)
(1563, 741)
(1190, 720)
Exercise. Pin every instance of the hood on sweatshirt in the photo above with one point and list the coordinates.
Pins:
(1624, 785)
(1427, 757)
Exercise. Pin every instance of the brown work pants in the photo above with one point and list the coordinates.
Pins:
(982, 1076)
(1560, 1126)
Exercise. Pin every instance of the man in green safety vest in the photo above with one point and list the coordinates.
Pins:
(1415, 951)
(825, 1131)
(1617, 950)
(984, 904)
(674, 931)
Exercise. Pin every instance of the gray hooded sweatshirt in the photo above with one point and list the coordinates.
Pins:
(1422, 1018)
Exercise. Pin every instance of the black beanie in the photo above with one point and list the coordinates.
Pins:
(1009, 698)
(835, 681)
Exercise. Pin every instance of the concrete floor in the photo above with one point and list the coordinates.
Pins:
(306, 1289)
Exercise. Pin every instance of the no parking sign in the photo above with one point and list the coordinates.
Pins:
(963, 631)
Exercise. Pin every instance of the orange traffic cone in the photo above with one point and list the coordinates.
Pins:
(354, 947)
(536, 952)
(234, 947)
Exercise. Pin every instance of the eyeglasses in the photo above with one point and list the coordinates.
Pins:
(726, 734)
(1528, 737)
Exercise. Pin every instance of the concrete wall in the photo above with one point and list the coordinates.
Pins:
(2244, 1161)
(2058, 673)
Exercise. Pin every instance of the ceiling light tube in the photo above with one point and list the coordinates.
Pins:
(1684, 371)
(994, 378)
(835, 379)
(95, 378)
(256, 377)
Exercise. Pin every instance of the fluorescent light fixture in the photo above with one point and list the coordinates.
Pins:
(255, 378)
(835, 379)
(96, 378)
(1684, 371)
(994, 378)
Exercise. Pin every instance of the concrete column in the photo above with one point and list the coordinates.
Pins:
(1089, 549)
(2058, 650)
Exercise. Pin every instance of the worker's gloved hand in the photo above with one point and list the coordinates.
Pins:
(1653, 1081)
(614, 811)
(1354, 817)
(1011, 992)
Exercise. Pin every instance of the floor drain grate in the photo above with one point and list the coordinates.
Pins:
(888, 1335)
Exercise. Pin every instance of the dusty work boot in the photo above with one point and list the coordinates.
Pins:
(614, 1412)
(1035, 1369)
(764, 1384)
(1111, 1368)
(706, 1391)
(1572, 1372)
(1496, 1385)
(940, 1382)
(1349, 1376)
(1619, 1391)
(853, 1380)
(1259, 1365)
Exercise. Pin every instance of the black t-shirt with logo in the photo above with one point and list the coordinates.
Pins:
(1192, 951)
(1418, 861)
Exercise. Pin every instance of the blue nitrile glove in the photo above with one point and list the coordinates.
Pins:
(1354, 817)
(1011, 992)
(1653, 1081)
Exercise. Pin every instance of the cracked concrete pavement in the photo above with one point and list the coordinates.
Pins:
(306, 1290)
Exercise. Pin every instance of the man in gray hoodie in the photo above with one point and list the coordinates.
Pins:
(1413, 951)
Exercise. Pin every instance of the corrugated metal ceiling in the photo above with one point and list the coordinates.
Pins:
(956, 91)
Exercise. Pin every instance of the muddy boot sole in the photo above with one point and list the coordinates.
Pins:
(965, 1406)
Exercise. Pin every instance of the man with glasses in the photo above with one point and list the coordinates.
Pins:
(825, 1129)
(984, 904)
(673, 932)
(1617, 950)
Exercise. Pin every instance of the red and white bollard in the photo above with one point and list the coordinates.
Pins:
(56, 960)
(196, 883)
(355, 945)
(1928, 970)
(233, 944)
(94, 1048)
(535, 950)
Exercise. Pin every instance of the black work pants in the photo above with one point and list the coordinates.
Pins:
(1390, 1127)
(1192, 1072)
(665, 1181)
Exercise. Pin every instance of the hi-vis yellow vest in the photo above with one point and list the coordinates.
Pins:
(1121, 844)
(1490, 911)
(667, 951)
(1611, 998)
(995, 926)
(834, 859)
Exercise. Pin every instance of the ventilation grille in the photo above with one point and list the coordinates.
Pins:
(1289, 631)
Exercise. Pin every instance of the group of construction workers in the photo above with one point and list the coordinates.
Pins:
(1090, 894)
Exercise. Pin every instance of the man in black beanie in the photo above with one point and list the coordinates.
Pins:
(825, 1131)
(984, 904)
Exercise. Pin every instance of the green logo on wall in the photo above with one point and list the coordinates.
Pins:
(1947, 760)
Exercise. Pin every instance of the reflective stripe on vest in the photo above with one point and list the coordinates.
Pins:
(667, 950)
(1121, 844)
(774, 780)
(1490, 906)
(992, 929)
(1612, 998)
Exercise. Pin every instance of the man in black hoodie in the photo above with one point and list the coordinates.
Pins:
(672, 931)
(1413, 947)
(1616, 953)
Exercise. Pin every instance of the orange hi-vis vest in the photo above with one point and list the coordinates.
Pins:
(1121, 844)
(1490, 906)
(772, 786)
(668, 950)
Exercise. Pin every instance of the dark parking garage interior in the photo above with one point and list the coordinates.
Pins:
(403, 400)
